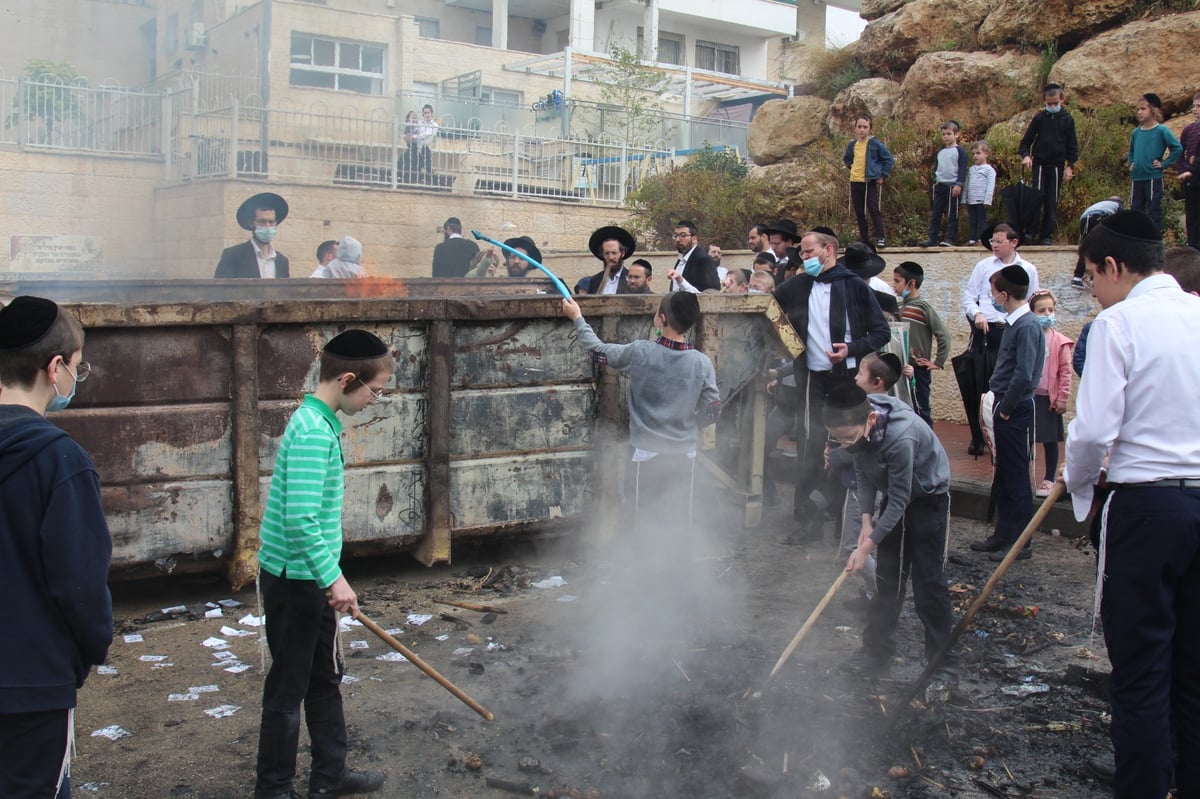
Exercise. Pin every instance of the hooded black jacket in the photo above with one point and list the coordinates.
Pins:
(55, 550)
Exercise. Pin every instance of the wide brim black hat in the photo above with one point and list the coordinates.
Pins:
(525, 243)
(612, 232)
(245, 212)
(863, 261)
(784, 227)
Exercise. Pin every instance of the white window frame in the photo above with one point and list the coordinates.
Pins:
(429, 27)
(720, 52)
(338, 76)
(490, 95)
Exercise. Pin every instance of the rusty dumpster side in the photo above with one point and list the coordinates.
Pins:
(495, 419)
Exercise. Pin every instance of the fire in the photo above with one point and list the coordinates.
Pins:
(376, 288)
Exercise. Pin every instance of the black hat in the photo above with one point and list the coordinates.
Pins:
(1153, 99)
(245, 212)
(356, 345)
(525, 243)
(846, 396)
(1015, 274)
(893, 362)
(825, 231)
(25, 321)
(887, 301)
(861, 259)
(612, 232)
(1133, 225)
(785, 228)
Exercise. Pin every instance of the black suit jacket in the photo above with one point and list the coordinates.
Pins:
(452, 258)
(701, 271)
(241, 261)
(597, 282)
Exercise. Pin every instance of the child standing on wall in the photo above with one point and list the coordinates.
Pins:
(1152, 148)
(981, 185)
(949, 174)
(1054, 390)
(870, 163)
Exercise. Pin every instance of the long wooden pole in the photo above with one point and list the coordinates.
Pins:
(808, 624)
(425, 667)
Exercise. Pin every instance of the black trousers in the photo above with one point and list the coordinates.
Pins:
(810, 445)
(865, 199)
(1048, 179)
(981, 342)
(32, 748)
(1151, 613)
(917, 549)
(306, 669)
(943, 203)
(1146, 195)
(1014, 492)
(1191, 210)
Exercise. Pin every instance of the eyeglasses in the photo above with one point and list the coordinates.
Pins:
(82, 371)
(376, 396)
(1088, 281)
(681, 235)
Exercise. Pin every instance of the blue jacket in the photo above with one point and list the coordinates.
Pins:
(879, 159)
(54, 554)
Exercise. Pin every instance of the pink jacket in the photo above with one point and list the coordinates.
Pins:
(1058, 366)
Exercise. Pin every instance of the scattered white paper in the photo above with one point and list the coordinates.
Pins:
(395, 631)
(442, 637)
(162, 665)
(134, 638)
(152, 658)
(1025, 689)
(189, 697)
(221, 711)
(211, 605)
(238, 668)
(348, 678)
(112, 732)
(174, 609)
(393, 656)
(567, 598)
(550, 582)
(203, 689)
(215, 643)
(105, 670)
(345, 623)
(225, 654)
(463, 650)
(94, 787)
(215, 613)
(229, 603)
(417, 619)
(359, 645)
(232, 633)
(250, 620)
(495, 646)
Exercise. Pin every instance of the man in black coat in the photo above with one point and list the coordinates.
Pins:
(261, 215)
(694, 271)
(612, 245)
(452, 258)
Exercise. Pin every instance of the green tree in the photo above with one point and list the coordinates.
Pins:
(47, 94)
(635, 89)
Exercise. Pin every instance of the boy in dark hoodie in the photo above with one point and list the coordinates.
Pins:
(896, 454)
(54, 550)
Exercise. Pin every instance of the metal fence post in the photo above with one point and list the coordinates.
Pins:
(22, 113)
(231, 165)
(395, 166)
(624, 172)
(167, 106)
(516, 164)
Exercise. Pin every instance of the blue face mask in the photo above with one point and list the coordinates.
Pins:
(1053, 109)
(61, 401)
(1046, 321)
(999, 306)
(812, 266)
(264, 234)
(904, 294)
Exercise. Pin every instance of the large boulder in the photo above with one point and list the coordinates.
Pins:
(976, 89)
(1144, 56)
(894, 41)
(781, 129)
(874, 96)
(874, 9)
(1065, 23)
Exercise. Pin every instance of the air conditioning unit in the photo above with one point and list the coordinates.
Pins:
(539, 26)
(197, 37)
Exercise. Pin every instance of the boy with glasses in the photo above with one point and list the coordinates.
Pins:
(54, 550)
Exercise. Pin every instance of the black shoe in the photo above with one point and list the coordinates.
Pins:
(352, 782)
(990, 544)
(930, 243)
(1046, 242)
(976, 449)
(862, 662)
(1024, 554)
(284, 795)
(1101, 767)
(858, 604)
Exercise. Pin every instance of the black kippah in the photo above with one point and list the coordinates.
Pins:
(845, 397)
(1135, 225)
(893, 362)
(1015, 274)
(356, 345)
(25, 321)
(1152, 99)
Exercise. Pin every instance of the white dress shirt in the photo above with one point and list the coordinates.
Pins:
(816, 355)
(611, 284)
(683, 285)
(977, 294)
(1136, 401)
(266, 263)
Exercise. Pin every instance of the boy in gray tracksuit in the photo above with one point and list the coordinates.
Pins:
(896, 454)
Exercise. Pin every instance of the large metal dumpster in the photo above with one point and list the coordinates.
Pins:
(495, 418)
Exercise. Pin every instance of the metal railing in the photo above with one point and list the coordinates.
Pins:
(47, 114)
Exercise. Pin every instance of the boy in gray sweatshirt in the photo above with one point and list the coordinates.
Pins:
(897, 455)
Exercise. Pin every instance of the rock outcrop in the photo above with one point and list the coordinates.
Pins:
(874, 96)
(894, 41)
(976, 89)
(874, 9)
(1065, 24)
(782, 128)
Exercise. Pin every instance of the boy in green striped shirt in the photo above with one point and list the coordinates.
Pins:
(302, 585)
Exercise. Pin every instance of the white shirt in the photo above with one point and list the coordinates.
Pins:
(819, 343)
(977, 294)
(613, 283)
(1136, 401)
(266, 263)
(339, 270)
(683, 285)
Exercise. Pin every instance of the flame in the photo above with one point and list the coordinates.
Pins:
(376, 288)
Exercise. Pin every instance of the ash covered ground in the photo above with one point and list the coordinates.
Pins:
(636, 678)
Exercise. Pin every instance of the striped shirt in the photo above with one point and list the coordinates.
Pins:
(302, 522)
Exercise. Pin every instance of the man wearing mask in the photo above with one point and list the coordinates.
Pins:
(838, 318)
(261, 215)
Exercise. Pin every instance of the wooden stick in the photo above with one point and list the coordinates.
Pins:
(808, 624)
(934, 662)
(472, 606)
(425, 667)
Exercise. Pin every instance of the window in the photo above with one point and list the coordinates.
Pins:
(332, 64)
(500, 97)
(718, 57)
(428, 28)
(670, 47)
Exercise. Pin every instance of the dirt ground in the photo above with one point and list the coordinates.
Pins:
(613, 686)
